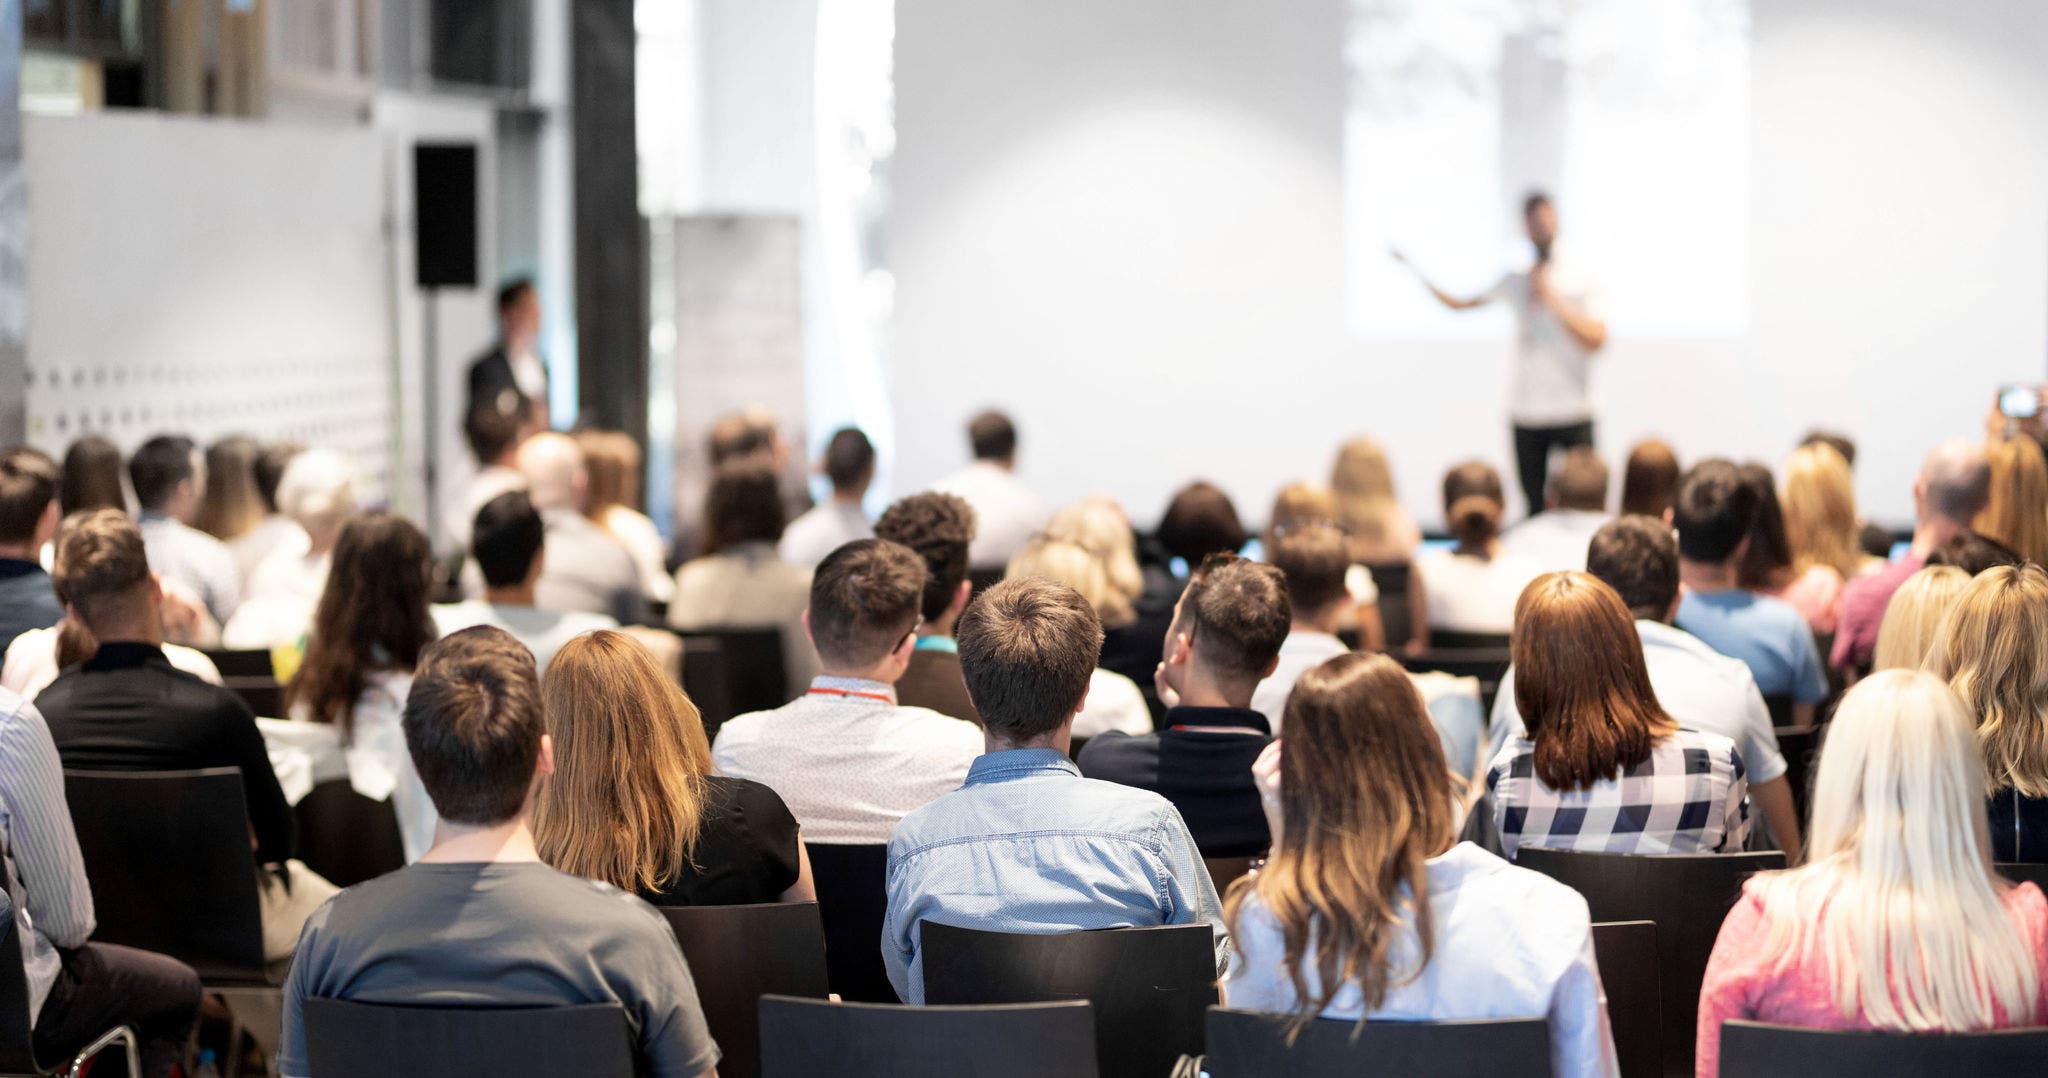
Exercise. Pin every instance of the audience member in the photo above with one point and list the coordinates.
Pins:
(847, 758)
(1200, 521)
(1574, 507)
(1912, 621)
(1472, 588)
(481, 921)
(167, 474)
(1953, 487)
(91, 477)
(633, 801)
(1312, 562)
(318, 494)
(1603, 767)
(1028, 845)
(1819, 502)
(33, 660)
(28, 521)
(511, 378)
(1768, 567)
(1716, 516)
(1383, 539)
(587, 570)
(1100, 525)
(1897, 920)
(2016, 514)
(230, 506)
(1006, 512)
(850, 467)
(1225, 639)
(510, 550)
(1649, 479)
(613, 504)
(266, 471)
(939, 528)
(1113, 701)
(1364, 818)
(493, 438)
(1306, 505)
(1875, 541)
(748, 436)
(1992, 649)
(740, 582)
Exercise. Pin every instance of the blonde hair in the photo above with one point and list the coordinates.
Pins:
(2017, 514)
(612, 458)
(1299, 505)
(318, 490)
(1098, 525)
(1915, 934)
(1820, 510)
(1362, 487)
(1992, 648)
(1072, 564)
(1912, 620)
(627, 797)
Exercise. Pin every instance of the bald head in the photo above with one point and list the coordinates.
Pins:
(1955, 482)
(553, 467)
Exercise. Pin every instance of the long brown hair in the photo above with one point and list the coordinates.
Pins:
(1365, 802)
(627, 797)
(1581, 683)
(230, 505)
(372, 616)
(612, 458)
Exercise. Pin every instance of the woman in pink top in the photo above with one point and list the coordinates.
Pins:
(1896, 921)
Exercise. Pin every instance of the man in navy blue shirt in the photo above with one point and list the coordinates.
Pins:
(28, 518)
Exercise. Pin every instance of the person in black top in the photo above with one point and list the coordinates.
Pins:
(1226, 637)
(510, 376)
(28, 517)
(940, 528)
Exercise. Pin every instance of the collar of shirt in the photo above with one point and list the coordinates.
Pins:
(124, 654)
(1217, 719)
(827, 687)
(1019, 763)
(14, 567)
(1664, 634)
(938, 643)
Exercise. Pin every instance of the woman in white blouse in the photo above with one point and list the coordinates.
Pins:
(1472, 588)
(318, 494)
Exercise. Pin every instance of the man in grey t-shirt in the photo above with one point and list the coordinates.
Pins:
(479, 920)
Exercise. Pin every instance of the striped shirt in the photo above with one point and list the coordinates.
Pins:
(1685, 797)
(195, 559)
(45, 873)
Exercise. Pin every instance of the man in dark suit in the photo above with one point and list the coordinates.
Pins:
(510, 375)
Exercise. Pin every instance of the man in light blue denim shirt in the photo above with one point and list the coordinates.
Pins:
(1028, 845)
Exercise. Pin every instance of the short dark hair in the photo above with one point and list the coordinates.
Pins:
(490, 430)
(1314, 561)
(1200, 521)
(1580, 481)
(992, 436)
(28, 484)
(1835, 440)
(510, 292)
(1237, 612)
(158, 466)
(940, 528)
(849, 458)
(740, 435)
(507, 533)
(1974, 553)
(100, 562)
(473, 725)
(269, 466)
(1028, 648)
(865, 598)
(744, 505)
(1536, 197)
(1637, 557)
(1714, 511)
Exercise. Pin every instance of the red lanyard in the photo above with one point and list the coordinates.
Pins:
(853, 692)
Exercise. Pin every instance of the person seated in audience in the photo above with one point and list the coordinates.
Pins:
(1912, 621)
(1875, 541)
(28, 521)
(740, 582)
(510, 551)
(77, 988)
(1306, 505)
(587, 570)
(1992, 649)
(1006, 512)
(367, 634)
(1649, 478)
(1199, 521)
(849, 760)
(1953, 486)
(2016, 514)
(1575, 505)
(1364, 818)
(1767, 566)
(1602, 766)
(1700, 688)
(1819, 502)
(128, 709)
(940, 529)
(1134, 617)
(266, 473)
(1716, 515)
(91, 477)
(1897, 920)
(1312, 561)
(318, 494)
(1383, 539)
(634, 802)
(493, 436)
(1472, 587)
(613, 504)
(229, 506)
(1114, 701)
(1225, 639)
(1028, 844)
(37, 655)
(850, 467)
(166, 472)
(481, 921)
(1973, 553)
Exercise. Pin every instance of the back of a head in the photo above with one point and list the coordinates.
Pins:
(1581, 683)
(612, 460)
(318, 490)
(507, 536)
(1300, 505)
(1974, 553)
(1237, 613)
(2017, 513)
(1767, 561)
(1649, 480)
(1637, 556)
(939, 528)
(1992, 648)
(28, 486)
(745, 435)
(992, 437)
(1820, 509)
(1579, 482)
(473, 725)
(849, 460)
(1473, 504)
(865, 598)
(1098, 524)
(1078, 568)
(555, 474)
(744, 505)
(230, 505)
(271, 461)
(91, 477)
(1313, 561)
(1842, 444)
(1200, 521)
(373, 614)
(157, 467)
(491, 431)
(1955, 481)
(1362, 485)
(1912, 620)
(1714, 512)
(1028, 649)
(101, 569)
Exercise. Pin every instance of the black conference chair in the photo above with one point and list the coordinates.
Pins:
(1253, 1044)
(242, 662)
(345, 837)
(738, 954)
(980, 580)
(1224, 871)
(755, 671)
(1780, 707)
(1801, 749)
(363, 1040)
(17, 1044)
(1626, 952)
(704, 680)
(2034, 874)
(803, 1038)
(1687, 895)
(1754, 1050)
(853, 900)
(1150, 986)
(248, 673)
(1453, 640)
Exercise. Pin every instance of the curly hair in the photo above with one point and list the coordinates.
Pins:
(939, 528)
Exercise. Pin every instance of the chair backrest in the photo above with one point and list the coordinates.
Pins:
(358, 1040)
(755, 670)
(167, 854)
(704, 680)
(1754, 1049)
(1687, 895)
(1780, 706)
(1253, 1044)
(738, 954)
(345, 837)
(1454, 640)
(804, 1038)
(2034, 874)
(1626, 952)
(853, 899)
(1150, 986)
(1224, 871)
(17, 1045)
(1801, 749)
(242, 662)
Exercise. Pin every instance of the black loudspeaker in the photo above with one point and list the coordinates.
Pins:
(444, 214)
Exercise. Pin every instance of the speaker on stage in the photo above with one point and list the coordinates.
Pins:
(444, 214)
